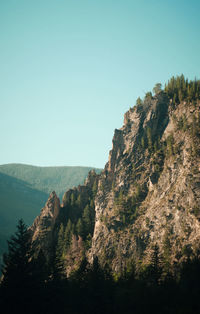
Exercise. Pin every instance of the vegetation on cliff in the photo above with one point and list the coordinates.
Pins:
(128, 240)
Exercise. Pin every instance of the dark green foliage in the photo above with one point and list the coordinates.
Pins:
(59, 266)
(139, 101)
(88, 220)
(149, 139)
(148, 95)
(120, 199)
(16, 267)
(166, 252)
(195, 134)
(79, 228)
(80, 213)
(127, 207)
(148, 98)
(143, 142)
(155, 269)
(24, 275)
(179, 89)
(91, 289)
(157, 88)
(68, 234)
(79, 218)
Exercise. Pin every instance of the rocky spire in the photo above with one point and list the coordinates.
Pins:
(43, 226)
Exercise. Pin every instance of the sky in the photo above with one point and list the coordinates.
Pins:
(70, 69)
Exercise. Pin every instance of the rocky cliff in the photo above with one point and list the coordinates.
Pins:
(147, 196)
(42, 230)
(152, 186)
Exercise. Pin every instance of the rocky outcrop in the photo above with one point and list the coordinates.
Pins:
(46, 227)
(43, 227)
(153, 197)
(147, 195)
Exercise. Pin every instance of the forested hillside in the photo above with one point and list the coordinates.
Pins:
(48, 179)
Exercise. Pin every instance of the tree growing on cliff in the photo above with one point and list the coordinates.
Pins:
(139, 101)
(157, 88)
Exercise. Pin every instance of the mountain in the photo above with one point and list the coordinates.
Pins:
(24, 190)
(128, 239)
(146, 200)
(48, 179)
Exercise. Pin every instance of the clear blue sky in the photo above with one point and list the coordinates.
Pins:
(71, 69)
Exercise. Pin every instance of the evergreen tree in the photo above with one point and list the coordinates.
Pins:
(149, 138)
(88, 221)
(16, 263)
(58, 267)
(79, 228)
(18, 283)
(68, 234)
(155, 270)
(60, 242)
(139, 101)
(157, 88)
(79, 201)
(148, 97)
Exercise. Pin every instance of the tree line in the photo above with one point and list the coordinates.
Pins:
(178, 89)
(29, 285)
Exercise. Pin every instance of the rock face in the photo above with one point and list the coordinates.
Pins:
(77, 202)
(152, 187)
(43, 227)
(147, 195)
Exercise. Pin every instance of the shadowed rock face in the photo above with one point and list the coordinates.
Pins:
(148, 193)
(43, 227)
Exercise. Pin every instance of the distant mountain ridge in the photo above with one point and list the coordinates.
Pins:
(48, 179)
(24, 189)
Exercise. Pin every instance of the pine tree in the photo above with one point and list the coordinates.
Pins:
(79, 228)
(139, 101)
(87, 220)
(18, 283)
(149, 139)
(68, 234)
(79, 201)
(143, 142)
(58, 267)
(155, 268)
(16, 263)
(157, 88)
(60, 242)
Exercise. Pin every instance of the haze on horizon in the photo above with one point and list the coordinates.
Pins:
(71, 69)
